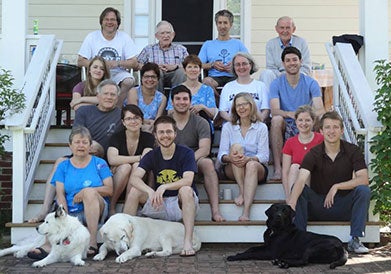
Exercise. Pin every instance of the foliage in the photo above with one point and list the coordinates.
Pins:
(381, 143)
(11, 101)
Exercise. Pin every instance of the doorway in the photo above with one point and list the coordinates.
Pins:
(192, 21)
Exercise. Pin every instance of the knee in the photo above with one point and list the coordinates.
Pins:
(127, 82)
(252, 166)
(277, 121)
(363, 191)
(186, 194)
(124, 169)
(206, 165)
(90, 194)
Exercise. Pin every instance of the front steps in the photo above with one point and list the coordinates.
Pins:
(208, 231)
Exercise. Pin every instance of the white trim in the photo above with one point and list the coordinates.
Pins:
(245, 26)
(127, 15)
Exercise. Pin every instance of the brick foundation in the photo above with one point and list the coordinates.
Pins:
(5, 188)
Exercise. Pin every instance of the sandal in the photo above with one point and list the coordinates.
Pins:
(37, 256)
(92, 251)
(187, 253)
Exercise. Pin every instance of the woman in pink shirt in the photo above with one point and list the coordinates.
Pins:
(297, 146)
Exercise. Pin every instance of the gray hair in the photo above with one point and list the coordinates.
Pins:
(82, 131)
(287, 18)
(107, 82)
(251, 60)
(163, 22)
(225, 13)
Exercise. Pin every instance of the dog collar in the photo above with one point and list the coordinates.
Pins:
(66, 241)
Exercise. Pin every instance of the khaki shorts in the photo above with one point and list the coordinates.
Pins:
(169, 211)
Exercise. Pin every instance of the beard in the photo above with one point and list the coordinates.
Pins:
(165, 145)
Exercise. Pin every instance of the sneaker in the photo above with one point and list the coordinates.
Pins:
(356, 246)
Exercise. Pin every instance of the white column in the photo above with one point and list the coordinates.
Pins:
(374, 28)
(12, 46)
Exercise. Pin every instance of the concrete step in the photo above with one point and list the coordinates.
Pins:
(234, 231)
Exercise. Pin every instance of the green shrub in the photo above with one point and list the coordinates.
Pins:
(11, 101)
(381, 143)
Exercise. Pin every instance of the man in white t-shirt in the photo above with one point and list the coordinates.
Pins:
(116, 47)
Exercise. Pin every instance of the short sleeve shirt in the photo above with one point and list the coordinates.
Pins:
(325, 172)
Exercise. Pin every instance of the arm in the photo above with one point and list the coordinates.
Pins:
(132, 96)
(60, 194)
(360, 178)
(203, 148)
(82, 61)
(318, 106)
(263, 114)
(78, 100)
(225, 115)
(224, 144)
(298, 187)
(286, 165)
(276, 110)
(162, 106)
(130, 63)
(115, 159)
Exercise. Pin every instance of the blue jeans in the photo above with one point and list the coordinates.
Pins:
(352, 207)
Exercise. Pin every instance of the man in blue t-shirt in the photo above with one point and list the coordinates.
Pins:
(287, 93)
(216, 55)
(173, 196)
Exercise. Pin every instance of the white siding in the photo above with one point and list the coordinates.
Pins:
(316, 20)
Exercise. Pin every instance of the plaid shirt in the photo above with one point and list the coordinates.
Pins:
(153, 53)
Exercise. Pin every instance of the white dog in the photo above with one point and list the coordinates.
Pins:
(68, 238)
(130, 235)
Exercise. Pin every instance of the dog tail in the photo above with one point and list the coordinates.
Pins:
(343, 257)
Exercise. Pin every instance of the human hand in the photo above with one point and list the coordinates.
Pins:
(219, 65)
(196, 108)
(157, 197)
(78, 198)
(329, 200)
(228, 67)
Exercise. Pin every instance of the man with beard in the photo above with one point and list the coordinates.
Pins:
(173, 196)
(287, 93)
(194, 131)
(116, 47)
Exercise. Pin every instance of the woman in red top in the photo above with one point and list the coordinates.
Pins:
(296, 147)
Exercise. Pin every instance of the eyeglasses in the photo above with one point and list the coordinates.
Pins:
(152, 77)
(244, 64)
(133, 119)
(242, 105)
(165, 32)
(167, 132)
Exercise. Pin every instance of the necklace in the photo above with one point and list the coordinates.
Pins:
(306, 141)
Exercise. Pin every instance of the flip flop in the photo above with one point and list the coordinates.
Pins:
(92, 251)
(187, 253)
(37, 256)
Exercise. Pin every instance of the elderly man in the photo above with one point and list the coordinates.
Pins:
(168, 55)
(116, 47)
(285, 28)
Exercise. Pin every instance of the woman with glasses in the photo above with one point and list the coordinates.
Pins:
(243, 67)
(151, 101)
(244, 150)
(126, 148)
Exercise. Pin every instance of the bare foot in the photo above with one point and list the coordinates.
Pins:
(244, 218)
(277, 175)
(217, 217)
(239, 200)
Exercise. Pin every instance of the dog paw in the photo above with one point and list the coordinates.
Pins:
(79, 263)
(232, 258)
(121, 259)
(38, 264)
(20, 254)
(99, 257)
(275, 262)
(150, 254)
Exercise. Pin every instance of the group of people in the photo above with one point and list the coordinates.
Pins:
(133, 141)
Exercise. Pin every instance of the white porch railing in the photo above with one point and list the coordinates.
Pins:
(29, 128)
(352, 97)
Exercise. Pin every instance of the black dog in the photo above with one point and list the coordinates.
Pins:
(287, 246)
